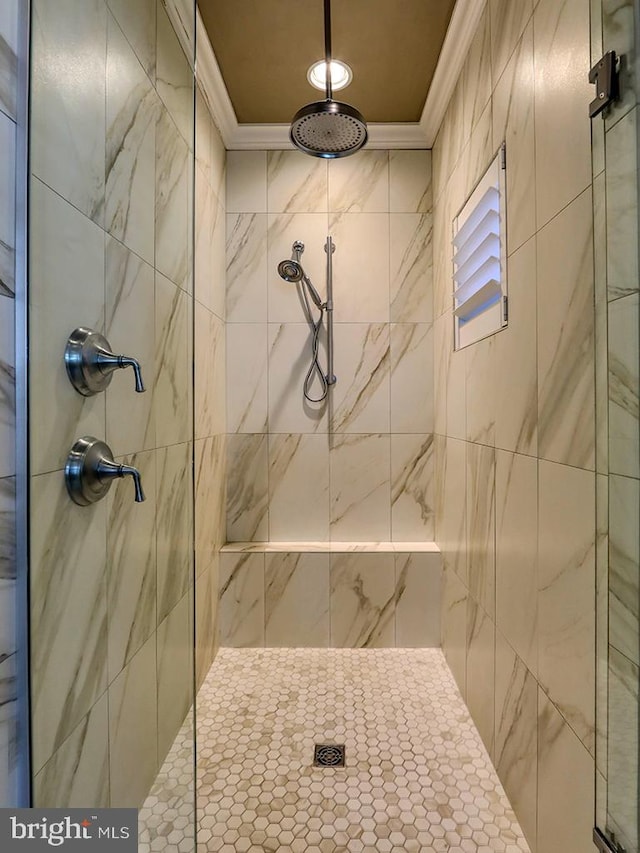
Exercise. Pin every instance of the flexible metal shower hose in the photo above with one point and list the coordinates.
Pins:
(314, 367)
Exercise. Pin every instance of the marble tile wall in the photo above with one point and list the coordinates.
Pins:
(359, 467)
(515, 418)
(112, 585)
(9, 21)
(330, 599)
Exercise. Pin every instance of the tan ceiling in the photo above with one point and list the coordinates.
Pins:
(264, 48)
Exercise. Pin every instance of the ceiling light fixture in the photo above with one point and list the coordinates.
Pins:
(341, 74)
(328, 128)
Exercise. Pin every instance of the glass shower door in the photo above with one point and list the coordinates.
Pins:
(616, 194)
(110, 249)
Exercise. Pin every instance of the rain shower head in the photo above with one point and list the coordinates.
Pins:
(328, 128)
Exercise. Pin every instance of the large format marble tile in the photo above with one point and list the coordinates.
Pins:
(418, 592)
(412, 487)
(247, 393)
(130, 295)
(7, 529)
(175, 673)
(618, 31)
(247, 272)
(133, 729)
(296, 590)
(624, 557)
(247, 488)
(77, 774)
(624, 386)
(360, 398)
(138, 22)
(66, 291)
(362, 601)
(451, 490)
(172, 391)
(8, 638)
(289, 360)
(206, 622)
(566, 603)
(173, 525)
(481, 523)
(481, 390)
(476, 75)
(360, 183)
(69, 41)
(296, 183)
(9, 57)
(247, 182)
(174, 79)
(7, 204)
(360, 487)
(69, 608)
(284, 229)
(7, 387)
(131, 569)
(360, 267)
(411, 377)
(131, 107)
(562, 91)
(508, 20)
(411, 267)
(516, 736)
(410, 189)
(209, 373)
(565, 811)
(210, 500)
(516, 553)
(516, 380)
(454, 627)
(622, 769)
(298, 487)
(622, 207)
(566, 407)
(173, 174)
(479, 693)
(512, 104)
(241, 600)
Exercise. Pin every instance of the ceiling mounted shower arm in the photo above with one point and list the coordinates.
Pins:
(327, 46)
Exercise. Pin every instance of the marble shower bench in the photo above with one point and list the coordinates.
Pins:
(330, 594)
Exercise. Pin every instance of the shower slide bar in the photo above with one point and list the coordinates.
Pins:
(292, 270)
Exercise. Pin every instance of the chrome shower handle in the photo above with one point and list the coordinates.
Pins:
(90, 362)
(91, 469)
(108, 470)
(108, 362)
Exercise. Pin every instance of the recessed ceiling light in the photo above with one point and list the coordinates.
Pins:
(341, 74)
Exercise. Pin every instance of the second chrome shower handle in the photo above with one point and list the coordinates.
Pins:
(90, 362)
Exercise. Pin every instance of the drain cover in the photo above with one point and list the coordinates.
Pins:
(328, 755)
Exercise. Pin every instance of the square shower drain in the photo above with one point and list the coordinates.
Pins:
(328, 755)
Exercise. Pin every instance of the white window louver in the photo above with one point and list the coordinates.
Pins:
(479, 259)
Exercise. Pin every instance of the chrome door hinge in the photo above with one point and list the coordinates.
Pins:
(503, 156)
(505, 309)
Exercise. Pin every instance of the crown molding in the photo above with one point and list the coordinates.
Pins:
(422, 134)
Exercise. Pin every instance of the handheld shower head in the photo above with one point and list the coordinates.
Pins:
(290, 270)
